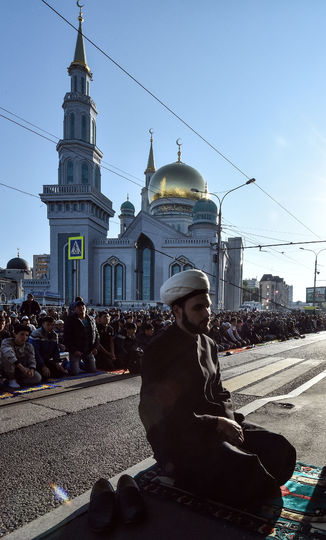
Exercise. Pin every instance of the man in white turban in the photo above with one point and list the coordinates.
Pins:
(188, 416)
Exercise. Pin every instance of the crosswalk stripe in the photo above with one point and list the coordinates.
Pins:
(273, 383)
(235, 371)
(253, 376)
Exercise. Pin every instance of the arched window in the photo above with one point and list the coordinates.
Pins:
(84, 173)
(175, 269)
(107, 285)
(75, 83)
(188, 267)
(60, 173)
(84, 128)
(118, 282)
(97, 176)
(93, 132)
(82, 83)
(65, 127)
(145, 268)
(72, 125)
(70, 172)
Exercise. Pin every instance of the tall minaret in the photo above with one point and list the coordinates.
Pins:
(79, 157)
(76, 206)
(150, 170)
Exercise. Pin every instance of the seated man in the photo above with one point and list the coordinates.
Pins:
(18, 360)
(105, 358)
(3, 332)
(188, 416)
(81, 339)
(131, 354)
(47, 352)
(145, 337)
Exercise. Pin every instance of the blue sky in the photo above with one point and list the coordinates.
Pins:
(248, 75)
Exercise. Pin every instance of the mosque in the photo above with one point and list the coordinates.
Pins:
(176, 228)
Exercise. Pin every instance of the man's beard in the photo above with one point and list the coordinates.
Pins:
(194, 328)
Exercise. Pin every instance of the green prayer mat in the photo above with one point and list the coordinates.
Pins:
(294, 516)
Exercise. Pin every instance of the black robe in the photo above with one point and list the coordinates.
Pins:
(181, 397)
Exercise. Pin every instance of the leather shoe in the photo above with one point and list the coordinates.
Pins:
(130, 500)
(102, 506)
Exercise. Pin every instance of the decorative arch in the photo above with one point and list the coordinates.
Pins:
(145, 268)
(180, 264)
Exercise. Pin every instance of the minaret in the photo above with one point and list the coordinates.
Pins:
(150, 170)
(79, 157)
(76, 206)
(127, 215)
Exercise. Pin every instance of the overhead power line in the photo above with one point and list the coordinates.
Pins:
(286, 210)
(260, 246)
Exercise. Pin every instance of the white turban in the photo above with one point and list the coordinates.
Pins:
(189, 282)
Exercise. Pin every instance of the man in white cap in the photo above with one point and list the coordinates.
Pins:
(194, 432)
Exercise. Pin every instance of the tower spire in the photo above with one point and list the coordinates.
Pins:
(80, 52)
(150, 163)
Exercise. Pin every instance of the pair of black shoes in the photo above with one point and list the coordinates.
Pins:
(106, 504)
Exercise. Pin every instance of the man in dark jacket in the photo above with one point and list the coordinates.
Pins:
(81, 339)
(47, 351)
(30, 306)
(188, 416)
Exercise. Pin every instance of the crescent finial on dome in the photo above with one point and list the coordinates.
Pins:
(179, 151)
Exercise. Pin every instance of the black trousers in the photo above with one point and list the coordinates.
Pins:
(238, 476)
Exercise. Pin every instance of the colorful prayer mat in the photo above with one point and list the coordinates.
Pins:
(22, 391)
(293, 517)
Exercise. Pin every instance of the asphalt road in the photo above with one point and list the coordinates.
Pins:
(73, 439)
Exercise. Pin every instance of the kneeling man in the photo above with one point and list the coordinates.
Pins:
(18, 359)
(188, 416)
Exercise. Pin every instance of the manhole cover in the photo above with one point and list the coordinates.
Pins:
(285, 405)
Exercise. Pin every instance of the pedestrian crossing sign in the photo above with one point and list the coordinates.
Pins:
(76, 248)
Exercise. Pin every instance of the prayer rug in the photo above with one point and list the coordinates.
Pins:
(22, 391)
(94, 374)
(293, 517)
(235, 351)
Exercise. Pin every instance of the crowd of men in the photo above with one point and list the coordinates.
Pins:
(38, 344)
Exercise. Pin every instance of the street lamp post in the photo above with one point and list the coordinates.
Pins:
(219, 231)
(315, 271)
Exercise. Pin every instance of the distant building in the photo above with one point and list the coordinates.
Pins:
(252, 283)
(8, 289)
(16, 272)
(274, 293)
(41, 266)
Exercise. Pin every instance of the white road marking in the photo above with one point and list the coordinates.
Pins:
(254, 405)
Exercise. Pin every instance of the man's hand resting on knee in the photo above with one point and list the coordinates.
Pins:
(230, 430)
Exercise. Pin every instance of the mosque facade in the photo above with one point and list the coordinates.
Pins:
(175, 230)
